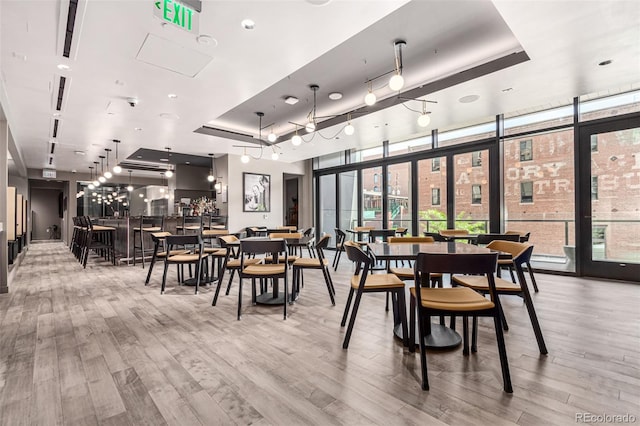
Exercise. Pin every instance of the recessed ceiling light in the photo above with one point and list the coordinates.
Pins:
(63, 67)
(79, 152)
(187, 162)
(603, 63)
(468, 99)
(334, 96)
(291, 100)
(248, 24)
(139, 157)
(206, 40)
(172, 95)
(138, 129)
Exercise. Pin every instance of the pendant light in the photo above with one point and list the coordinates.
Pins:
(424, 119)
(296, 140)
(169, 172)
(91, 185)
(272, 137)
(245, 157)
(349, 129)
(211, 176)
(95, 182)
(101, 178)
(130, 187)
(108, 174)
(117, 169)
(370, 98)
(396, 82)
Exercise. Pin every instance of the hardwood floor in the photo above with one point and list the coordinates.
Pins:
(96, 346)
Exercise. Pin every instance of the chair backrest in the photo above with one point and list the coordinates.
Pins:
(290, 235)
(184, 240)
(192, 221)
(322, 244)
(459, 263)
(340, 236)
(277, 248)
(453, 232)
(152, 222)
(436, 236)
(289, 227)
(254, 231)
(308, 232)
(375, 234)
(520, 252)
(157, 236)
(359, 257)
(411, 240)
(226, 239)
(402, 231)
(487, 238)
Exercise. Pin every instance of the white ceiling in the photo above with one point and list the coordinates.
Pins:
(294, 44)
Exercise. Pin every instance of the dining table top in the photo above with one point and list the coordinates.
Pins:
(301, 241)
(409, 251)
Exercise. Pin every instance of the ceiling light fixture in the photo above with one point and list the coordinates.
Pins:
(96, 182)
(349, 129)
(291, 100)
(396, 82)
(248, 24)
(296, 140)
(245, 157)
(130, 187)
(424, 119)
(172, 96)
(91, 185)
(211, 176)
(169, 172)
(117, 169)
(335, 96)
(272, 137)
(370, 98)
(63, 67)
(108, 173)
(102, 179)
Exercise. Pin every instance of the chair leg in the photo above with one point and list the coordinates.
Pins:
(423, 353)
(153, 262)
(239, 298)
(198, 272)
(346, 308)
(142, 246)
(327, 280)
(402, 312)
(352, 321)
(164, 277)
(474, 335)
(505, 326)
(233, 271)
(386, 305)
(286, 291)
(534, 321)
(412, 324)
(465, 335)
(533, 280)
(337, 260)
(502, 350)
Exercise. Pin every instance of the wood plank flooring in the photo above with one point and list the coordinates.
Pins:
(95, 346)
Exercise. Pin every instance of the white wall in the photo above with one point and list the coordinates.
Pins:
(239, 219)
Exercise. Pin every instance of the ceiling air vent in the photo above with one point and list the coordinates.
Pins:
(228, 134)
(71, 23)
(54, 134)
(63, 81)
(53, 148)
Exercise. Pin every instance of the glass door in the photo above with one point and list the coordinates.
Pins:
(327, 206)
(609, 238)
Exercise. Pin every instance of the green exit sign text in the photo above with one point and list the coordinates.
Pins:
(178, 14)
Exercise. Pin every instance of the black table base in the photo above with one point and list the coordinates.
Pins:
(268, 299)
(441, 337)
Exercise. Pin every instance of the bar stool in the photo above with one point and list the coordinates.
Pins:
(101, 239)
(148, 224)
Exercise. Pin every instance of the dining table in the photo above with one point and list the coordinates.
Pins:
(441, 336)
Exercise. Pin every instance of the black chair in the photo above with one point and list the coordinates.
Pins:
(457, 301)
(190, 224)
(147, 225)
(255, 231)
(363, 282)
(230, 262)
(159, 238)
(484, 239)
(313, 263)
(101, 239)
(341, 237)
(521, 253)
(275, 270)
(197, 258)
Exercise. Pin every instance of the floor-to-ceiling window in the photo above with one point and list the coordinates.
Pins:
(327, 203)
(471, 201)
(398, 195)
(372, 189)
(432, 194)
(348, 199)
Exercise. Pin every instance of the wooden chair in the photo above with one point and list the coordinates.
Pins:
(275, 270)
(381, 234)
(453, 232)
(292, 250)
(460, 301)
(148, 224)
(484, 239)
(173, 241)
(524, 237)
(230, 262)
(159, 238)
(521, 253)
(190, 224)
(363, 282)
(101, 239)
(341, 237)
(314, 263)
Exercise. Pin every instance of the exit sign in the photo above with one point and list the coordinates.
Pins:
(48, 173)
(176, 13)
